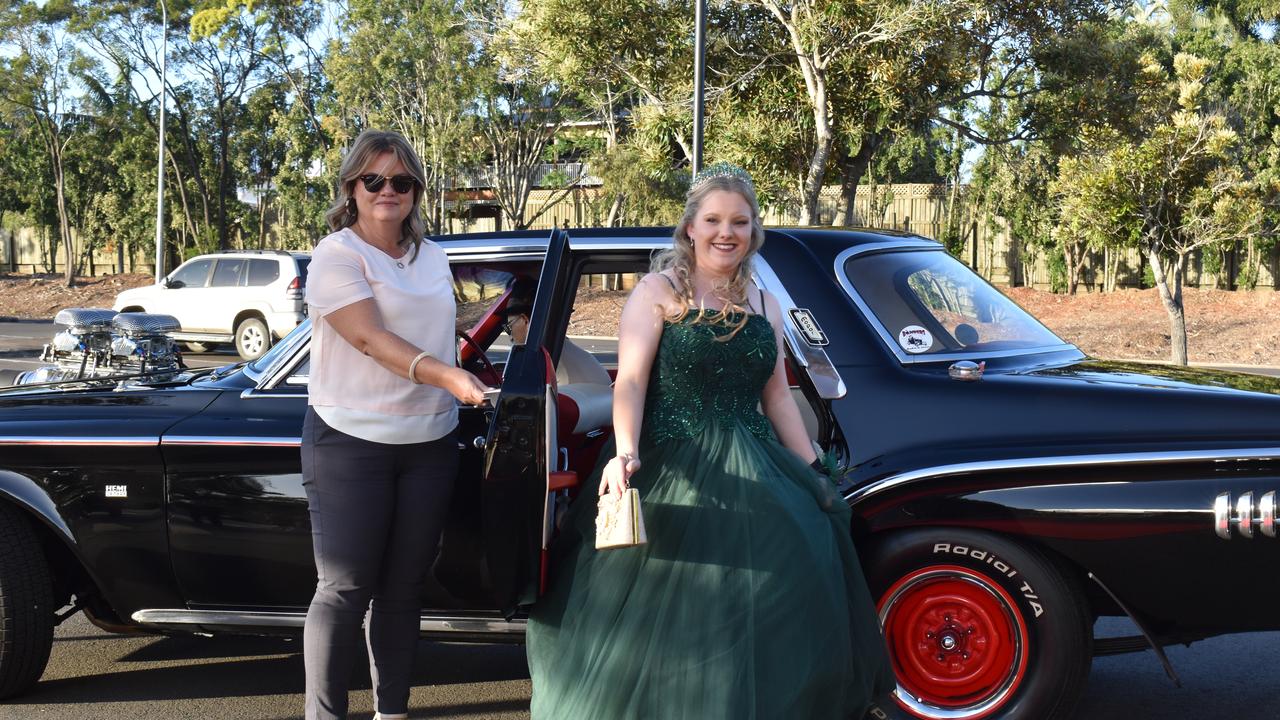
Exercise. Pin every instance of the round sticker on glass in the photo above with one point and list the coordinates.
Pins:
(915, 339)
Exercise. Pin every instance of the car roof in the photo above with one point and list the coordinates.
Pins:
(295, 254)
(821, 240)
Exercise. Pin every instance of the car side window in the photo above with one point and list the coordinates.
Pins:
(192, 275)
(262, 272)
(227, 272)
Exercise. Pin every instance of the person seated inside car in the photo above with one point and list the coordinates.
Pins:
(576, 365)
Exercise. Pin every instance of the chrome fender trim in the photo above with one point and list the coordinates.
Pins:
(227, 618)
(891, 482)
(196, 440)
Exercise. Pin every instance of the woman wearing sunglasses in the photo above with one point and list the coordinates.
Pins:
(378, 450)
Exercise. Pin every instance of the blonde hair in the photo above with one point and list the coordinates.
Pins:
(367, 146)
(680, 259)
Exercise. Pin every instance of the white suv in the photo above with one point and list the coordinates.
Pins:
(245, 297)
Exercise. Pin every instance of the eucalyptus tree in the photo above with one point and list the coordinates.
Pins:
(410, 66)
(38, 91)
(1176, 190)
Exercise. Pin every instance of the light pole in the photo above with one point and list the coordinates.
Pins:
(699, 73)
(164, 54)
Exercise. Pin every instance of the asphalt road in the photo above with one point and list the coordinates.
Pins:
(93, 675)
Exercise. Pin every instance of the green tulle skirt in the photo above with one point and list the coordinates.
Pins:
(747, 603)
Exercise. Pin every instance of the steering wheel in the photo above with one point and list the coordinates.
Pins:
(470, 342)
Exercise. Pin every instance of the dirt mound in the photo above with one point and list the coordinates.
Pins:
(40, 297)
(1223, 327)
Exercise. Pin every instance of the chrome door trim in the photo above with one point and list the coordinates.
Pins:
(229, 618)
(148, 441)
(887, 338)
(1135, 458)
(254, 393)
(812, 359)
(201, 440)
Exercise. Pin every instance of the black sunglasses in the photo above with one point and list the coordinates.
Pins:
(400, 183)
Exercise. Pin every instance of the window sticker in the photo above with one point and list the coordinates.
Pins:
(915, 339)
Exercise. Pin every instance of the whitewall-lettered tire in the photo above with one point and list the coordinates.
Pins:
(979, 626)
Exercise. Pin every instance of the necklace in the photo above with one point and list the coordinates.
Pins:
(400, 264)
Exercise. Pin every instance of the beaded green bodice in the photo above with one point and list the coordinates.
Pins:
(698, 380)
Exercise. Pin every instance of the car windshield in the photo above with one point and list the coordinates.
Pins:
(928, 303)
(280, 350)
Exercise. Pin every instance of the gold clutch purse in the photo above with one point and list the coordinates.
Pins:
(619, 522)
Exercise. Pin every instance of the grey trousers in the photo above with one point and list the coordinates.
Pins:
(377, 511)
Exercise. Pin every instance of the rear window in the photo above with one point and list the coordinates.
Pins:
(302, 270)
(263, 272)
(929, 303)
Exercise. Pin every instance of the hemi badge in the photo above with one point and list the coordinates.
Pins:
(808, 327)
(117, 491)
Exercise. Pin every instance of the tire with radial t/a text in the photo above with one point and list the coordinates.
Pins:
(979, 626)
(26, 604)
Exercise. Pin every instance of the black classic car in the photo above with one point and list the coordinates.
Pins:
(1007, 490)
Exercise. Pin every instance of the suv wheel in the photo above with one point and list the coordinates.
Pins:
(252, 338)
(26, 605)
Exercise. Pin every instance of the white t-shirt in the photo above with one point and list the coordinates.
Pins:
(350, 391)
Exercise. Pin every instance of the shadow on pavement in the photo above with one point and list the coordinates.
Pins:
(222, 670)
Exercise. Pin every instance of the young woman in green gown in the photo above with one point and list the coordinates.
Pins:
(748, 601)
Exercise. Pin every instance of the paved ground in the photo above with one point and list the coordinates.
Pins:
(93, 675)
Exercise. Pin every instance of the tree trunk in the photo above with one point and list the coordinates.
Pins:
(1068, 255)
(224, 179)
(823, 140)
(1170, 287)
(262, 216)
(854, 168)
(64, 225)
(615, 211)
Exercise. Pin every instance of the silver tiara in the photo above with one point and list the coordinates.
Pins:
(720, 169)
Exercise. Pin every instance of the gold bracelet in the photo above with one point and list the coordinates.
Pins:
(413, 368)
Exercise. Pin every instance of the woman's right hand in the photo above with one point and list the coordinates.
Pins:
(465, 386)
(616, 476)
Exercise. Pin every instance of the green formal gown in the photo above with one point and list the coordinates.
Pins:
(747, 603)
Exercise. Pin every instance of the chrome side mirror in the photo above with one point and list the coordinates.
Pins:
(967, 370)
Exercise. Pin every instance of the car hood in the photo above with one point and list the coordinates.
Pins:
(1164, 377)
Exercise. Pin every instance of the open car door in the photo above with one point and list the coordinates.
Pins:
(522, 465)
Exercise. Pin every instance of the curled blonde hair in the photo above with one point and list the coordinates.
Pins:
(680, 259)
(367, 146)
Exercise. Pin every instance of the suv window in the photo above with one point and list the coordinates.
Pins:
(192, 275)
(226, 273)
(263, 272)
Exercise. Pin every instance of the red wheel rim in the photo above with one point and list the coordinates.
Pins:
(958, 642)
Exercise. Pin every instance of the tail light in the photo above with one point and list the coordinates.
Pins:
(294, 291)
